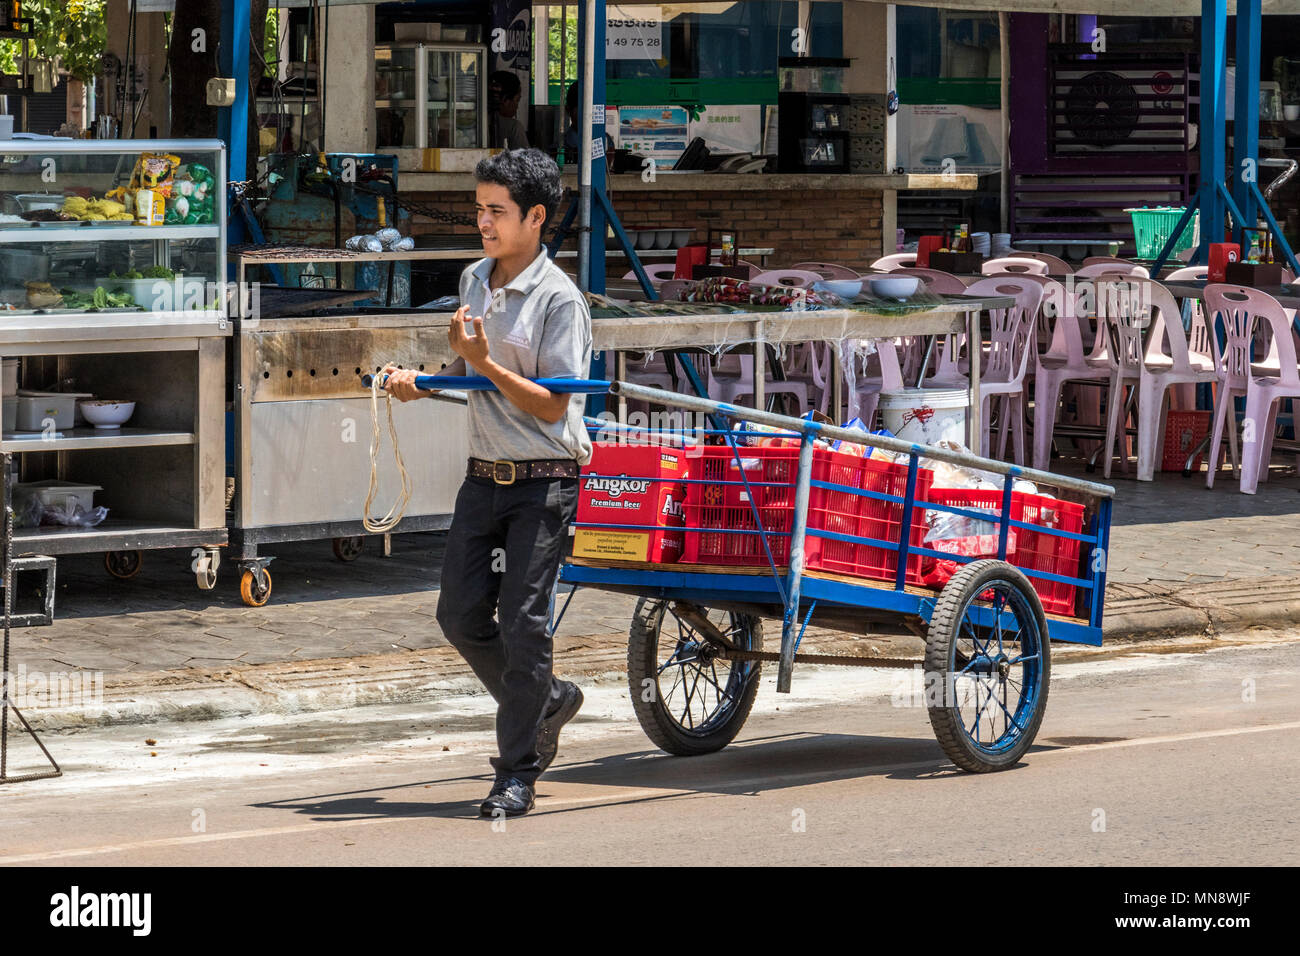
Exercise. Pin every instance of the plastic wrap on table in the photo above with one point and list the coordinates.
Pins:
(72, 515)
(727, 289)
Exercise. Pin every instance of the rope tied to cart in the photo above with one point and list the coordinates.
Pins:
(394, 516)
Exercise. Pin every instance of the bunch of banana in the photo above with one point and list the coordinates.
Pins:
(79, 207)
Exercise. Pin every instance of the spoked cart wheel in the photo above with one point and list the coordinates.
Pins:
(123, 564)
(349, 549)
(688, 697)
(988, 645)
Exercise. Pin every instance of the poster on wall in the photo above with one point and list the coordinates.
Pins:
(508, 45)
(633, 33)
(659, 132)
(729, 129)
(962, 139)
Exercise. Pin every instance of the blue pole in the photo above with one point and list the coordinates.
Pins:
(1245, 136)
(232, 121)
(1214, 108)
(594, 280)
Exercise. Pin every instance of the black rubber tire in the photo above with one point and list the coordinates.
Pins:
(964, 587)
(349, 548)
(123, 565)
(663, 729)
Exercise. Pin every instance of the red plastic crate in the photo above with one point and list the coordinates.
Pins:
(1032, 550)
(726, 508)
(1184, 430)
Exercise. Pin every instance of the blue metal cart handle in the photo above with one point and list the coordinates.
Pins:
(479, 383)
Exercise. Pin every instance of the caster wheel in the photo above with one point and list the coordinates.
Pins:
(123, 564)
(349, 549)
(253, 593)
(206, 580)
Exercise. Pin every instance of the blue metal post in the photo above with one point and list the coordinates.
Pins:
(1245, 135)
(802, 488)
(232, 121)
(1214, 110)
(594, 281)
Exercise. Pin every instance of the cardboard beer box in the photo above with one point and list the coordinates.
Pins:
(638, 485)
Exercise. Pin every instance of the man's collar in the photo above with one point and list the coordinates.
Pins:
(525, 282)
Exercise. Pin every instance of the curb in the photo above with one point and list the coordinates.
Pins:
(1135, 615)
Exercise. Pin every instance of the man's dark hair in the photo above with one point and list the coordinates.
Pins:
(508, 81)
(571, 97)
(530, 175)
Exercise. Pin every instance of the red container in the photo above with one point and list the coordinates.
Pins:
(1031, 550)
(632, 485)
(727, 509)
(1184, 430)
(1221, 253)
(924, 246)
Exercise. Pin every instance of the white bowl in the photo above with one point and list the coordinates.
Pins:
(844, 288)
(106, 414)
(894, 287)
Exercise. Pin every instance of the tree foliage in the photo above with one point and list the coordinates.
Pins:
(71, 32)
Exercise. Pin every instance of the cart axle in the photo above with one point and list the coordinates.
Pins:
(844, 660)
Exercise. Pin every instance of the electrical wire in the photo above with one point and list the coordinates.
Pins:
(395, 513)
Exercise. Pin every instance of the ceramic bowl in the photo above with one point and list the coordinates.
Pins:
(844, 288)
(106, 413)
(894, 287)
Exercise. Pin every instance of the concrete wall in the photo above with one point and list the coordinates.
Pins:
(350, 80)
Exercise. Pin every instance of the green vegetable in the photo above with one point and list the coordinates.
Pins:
(100, 297)
(158, 272)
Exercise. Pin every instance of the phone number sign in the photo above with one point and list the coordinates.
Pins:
(629, 37)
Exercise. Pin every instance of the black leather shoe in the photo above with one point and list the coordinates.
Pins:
(548, 736)
(511, 795)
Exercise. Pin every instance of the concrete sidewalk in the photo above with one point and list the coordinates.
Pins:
(1185, 563)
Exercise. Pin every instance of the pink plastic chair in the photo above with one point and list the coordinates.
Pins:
(796, 278)
(936, 280)
(660, 272)
(1006, 359)
(1200, 336)
(1107, 260)
(827, 270)
(1135, 309)
(671, 290)
(1013, 265)
(897, 260)
(1263, 384)
(1056, 266)
(1063, 361)
(732, 387)
(1117, 268)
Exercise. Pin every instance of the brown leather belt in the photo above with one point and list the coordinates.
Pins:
(508, 472)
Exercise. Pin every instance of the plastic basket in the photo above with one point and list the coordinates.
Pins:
(721, 513)
(1030, 550)
(1151, 229)
(1184, 430)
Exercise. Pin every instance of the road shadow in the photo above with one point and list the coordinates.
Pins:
(746, 768)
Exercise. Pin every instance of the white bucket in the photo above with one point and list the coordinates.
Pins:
(926, 416)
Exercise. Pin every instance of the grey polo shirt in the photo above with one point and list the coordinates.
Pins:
(539, 327)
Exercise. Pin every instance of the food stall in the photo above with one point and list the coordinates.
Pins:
(304, 424)
(113, 335)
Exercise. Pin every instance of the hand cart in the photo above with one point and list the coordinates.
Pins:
(695, 642)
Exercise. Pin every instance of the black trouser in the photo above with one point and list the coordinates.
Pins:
(505, 545)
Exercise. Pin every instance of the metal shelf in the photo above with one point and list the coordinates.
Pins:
(112, 535)
(109, 233)
(77, 439)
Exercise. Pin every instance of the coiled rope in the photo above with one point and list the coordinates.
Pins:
(395, 513)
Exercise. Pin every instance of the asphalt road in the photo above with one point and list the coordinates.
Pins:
(1159, 758)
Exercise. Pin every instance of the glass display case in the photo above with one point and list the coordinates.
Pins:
(113, 337)
(111, 225)
(430, 95)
